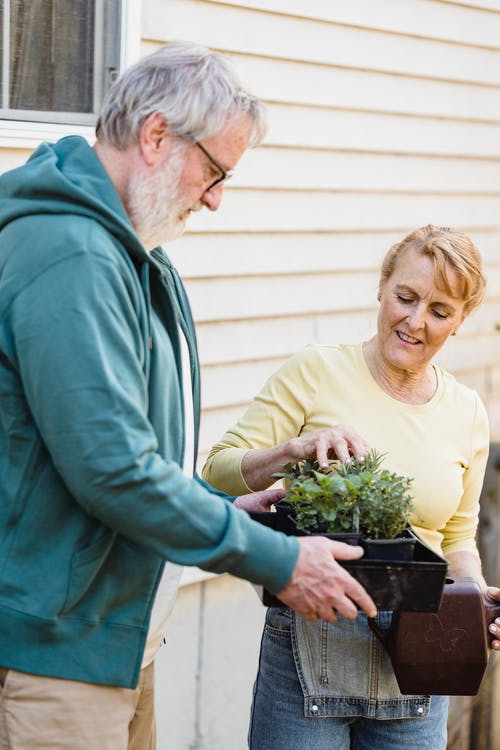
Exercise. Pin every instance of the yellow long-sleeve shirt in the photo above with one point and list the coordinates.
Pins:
(442, 445)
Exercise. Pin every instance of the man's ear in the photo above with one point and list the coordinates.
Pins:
(154, 139)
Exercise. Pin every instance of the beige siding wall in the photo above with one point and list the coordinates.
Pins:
(383, 117)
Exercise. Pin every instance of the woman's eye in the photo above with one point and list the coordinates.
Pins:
(440, 315)
(404, 300)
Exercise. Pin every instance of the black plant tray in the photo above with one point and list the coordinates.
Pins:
(411, 586)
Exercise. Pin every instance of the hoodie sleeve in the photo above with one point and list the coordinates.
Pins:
(79, 349)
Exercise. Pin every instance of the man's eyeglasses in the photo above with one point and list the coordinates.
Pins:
(224, 174)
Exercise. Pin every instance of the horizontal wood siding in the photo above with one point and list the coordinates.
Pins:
(382, 117)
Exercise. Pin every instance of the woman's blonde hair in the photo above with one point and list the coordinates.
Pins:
(448, 249)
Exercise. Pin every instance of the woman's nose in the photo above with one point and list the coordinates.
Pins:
(416, 317)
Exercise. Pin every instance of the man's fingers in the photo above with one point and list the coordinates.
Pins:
(320, 587)
(343, 551)
(359, 596)
(351, 595)
(344, 607)
(350, 591)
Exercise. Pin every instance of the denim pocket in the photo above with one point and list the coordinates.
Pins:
(279, 620)
(345, 671)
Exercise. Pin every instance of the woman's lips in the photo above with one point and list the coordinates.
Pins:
(407, 339)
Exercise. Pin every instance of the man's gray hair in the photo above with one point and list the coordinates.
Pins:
(196, 90)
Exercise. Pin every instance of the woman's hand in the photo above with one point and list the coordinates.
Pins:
(259, 502)
(467, 565)
(492, 594)
(340, 441)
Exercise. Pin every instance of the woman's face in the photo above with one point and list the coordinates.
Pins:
(415, 317)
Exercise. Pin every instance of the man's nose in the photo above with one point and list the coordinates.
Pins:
(212, 199)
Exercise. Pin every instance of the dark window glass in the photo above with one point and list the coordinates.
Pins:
(57, 55)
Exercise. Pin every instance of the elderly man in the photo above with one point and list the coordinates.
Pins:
(99, 413)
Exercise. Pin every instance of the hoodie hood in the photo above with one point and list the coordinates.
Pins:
(67, 178)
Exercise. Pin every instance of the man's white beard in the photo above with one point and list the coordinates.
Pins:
(154, 202)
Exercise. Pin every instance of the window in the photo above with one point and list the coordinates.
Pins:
(57, 57)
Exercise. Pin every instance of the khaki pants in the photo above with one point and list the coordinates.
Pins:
(43, 713)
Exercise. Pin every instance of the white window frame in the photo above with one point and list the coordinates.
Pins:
(25, 134)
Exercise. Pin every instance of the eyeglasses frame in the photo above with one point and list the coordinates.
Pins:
(226, 174)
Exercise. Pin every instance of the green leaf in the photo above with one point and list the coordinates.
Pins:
(355, 495)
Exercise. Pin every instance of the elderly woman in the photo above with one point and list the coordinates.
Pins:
(331, 685)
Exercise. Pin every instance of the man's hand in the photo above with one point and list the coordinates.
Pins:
(320, 588)
(259, 502)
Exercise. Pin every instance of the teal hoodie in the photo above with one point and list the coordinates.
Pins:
(92, 496)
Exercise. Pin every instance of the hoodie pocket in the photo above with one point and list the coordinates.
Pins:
(85, 567)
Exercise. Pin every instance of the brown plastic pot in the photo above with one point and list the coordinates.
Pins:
(411, 585)
(445, 652)
(285, 522)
